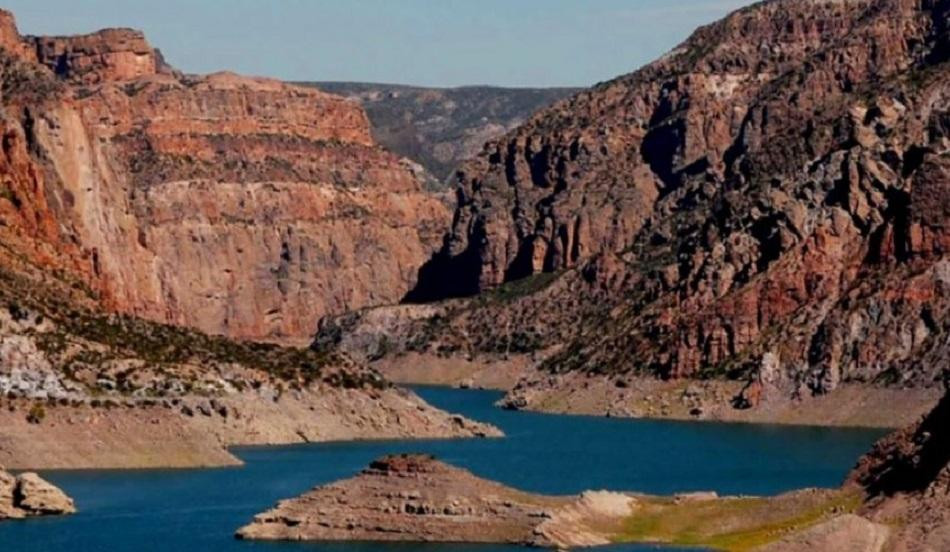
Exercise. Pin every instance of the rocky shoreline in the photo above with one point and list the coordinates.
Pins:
(628, 396)
(29, 495)
(895, 499)
(848, 405)
(197, 431)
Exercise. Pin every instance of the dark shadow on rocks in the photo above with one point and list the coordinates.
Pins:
(446, 277)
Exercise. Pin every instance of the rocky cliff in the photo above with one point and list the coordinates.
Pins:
(442, 127)
(238, 206)
(766, 203)
(140, 206)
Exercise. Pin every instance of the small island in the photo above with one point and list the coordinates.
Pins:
(417, 498)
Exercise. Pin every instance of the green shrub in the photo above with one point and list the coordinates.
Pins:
(36, 414)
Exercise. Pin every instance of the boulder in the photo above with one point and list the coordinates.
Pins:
(29, 495)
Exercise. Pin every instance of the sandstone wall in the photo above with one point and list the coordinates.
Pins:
(240, 206)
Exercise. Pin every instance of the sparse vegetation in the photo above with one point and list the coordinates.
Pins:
(81, 339)
(733, 524)
(37, 413)
(517, 289)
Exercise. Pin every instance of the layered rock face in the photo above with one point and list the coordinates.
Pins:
(768, 200)
(28, 495)
(138, 204)
(109, 55)
(418, 498)
(238, 206)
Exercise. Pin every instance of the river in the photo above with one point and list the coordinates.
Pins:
(182, 510)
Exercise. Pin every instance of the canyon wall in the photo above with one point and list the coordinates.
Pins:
(238, 206)
(766, 203)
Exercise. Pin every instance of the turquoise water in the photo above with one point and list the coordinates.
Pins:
(175, 510)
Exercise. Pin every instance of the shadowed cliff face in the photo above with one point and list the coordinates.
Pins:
(907, 478)
(239, 206)
(767, 200)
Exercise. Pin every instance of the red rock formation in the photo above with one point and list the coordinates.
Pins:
(239, 206)
(109, 55)
(774, 186)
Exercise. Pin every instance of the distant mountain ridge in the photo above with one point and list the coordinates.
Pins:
(439, 128)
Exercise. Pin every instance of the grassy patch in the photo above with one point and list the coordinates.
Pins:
(517, 289)
(733, 524)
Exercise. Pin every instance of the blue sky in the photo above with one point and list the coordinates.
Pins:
(425, 42)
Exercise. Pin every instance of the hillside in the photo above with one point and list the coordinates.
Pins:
(229, 204)
(766, 205)
(142, 210)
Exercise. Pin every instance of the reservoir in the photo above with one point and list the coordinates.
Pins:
(181, 510)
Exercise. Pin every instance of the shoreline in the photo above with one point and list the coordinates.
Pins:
(157, 437)
(417, 498)
(127, 437)
(848, 406)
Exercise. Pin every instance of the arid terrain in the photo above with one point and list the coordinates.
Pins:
(755, 227)
(28, 495)
(894, 500)
(440, 128)
(149, 218)
(757, 221)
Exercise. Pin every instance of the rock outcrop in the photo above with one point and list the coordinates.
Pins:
(28, 495)
(108, 55)
(238, 206)
(907, 479)
(420, 499)
(767, 203)
(417, 498)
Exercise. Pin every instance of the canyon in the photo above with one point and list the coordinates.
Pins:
(752, 228)
(165, 239)
(762, 211)
(238, 206)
